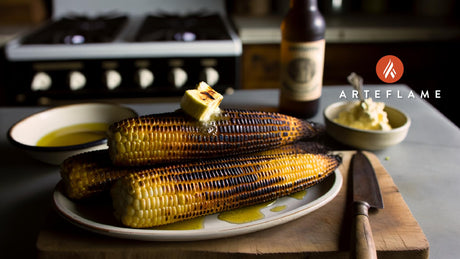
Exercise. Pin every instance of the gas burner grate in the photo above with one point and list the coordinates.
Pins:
(192, 27)
(77, 30)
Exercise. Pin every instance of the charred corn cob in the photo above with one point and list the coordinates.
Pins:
(87, 174)
(297, 148)
(165, 195)
(90, 173)
(177, 137)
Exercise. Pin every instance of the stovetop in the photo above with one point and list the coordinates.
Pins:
(176, 28)
(76, 30)
(98, 49)
(166, 27)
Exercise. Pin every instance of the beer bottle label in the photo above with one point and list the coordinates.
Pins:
(302, 65)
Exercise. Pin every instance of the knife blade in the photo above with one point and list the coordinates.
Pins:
(366, 194)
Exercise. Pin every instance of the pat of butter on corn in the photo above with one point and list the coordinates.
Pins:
(201, 103)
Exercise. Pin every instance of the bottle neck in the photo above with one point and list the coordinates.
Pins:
(310, 5)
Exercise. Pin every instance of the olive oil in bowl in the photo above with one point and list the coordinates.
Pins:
(74, 135)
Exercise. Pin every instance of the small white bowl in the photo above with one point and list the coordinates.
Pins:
(25, 133)
(367, 139)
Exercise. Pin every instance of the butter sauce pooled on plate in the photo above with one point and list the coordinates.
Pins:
(244, 214)
(254, 213)
(74, 135)
(190, 224)
(237, 216)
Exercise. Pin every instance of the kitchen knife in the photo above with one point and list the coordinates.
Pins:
(366, 194)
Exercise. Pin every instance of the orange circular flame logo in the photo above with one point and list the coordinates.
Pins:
(389, 69)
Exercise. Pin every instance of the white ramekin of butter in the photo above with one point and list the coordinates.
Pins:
(366, 125)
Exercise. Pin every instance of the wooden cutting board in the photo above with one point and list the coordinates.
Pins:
(325, 233)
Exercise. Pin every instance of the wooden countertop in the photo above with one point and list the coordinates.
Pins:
(325, 233)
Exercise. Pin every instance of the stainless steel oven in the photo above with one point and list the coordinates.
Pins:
(98, 49)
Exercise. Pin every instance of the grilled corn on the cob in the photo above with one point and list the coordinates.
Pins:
(90, 173)
(87, 174)
(176, 136)
(169, 194)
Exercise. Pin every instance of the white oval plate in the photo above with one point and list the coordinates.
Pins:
(98, 217)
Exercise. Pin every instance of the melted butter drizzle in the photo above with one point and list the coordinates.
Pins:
(245, 214)
(190, 224)
(253, 213)
(74, 135)
(299, 195)
(209, 128)
(236, 216)
(278, 208)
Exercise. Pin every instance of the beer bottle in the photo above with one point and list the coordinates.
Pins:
(302, 59)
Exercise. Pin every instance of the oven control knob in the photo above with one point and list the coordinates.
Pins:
(144, 78)
(76, 80)
(41, 82)
(112, 79)
(177, 77)
(210, 76)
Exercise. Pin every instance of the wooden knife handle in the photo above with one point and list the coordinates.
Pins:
(364, 241)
